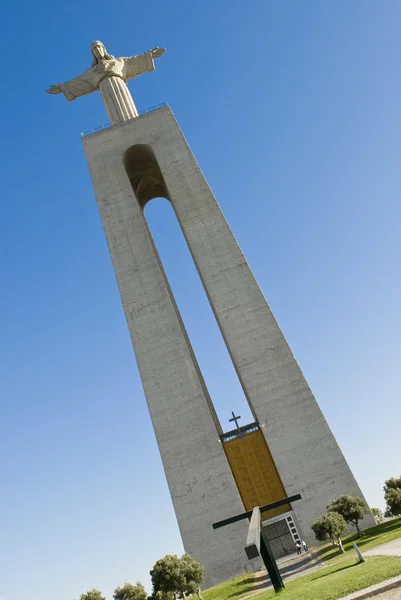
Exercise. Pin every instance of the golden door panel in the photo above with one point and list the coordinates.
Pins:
(255, 473)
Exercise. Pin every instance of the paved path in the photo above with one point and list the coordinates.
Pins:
(390, 595)
(386, 590)
(295, 566)
(298, 565)
(290, 568)
(392, 548)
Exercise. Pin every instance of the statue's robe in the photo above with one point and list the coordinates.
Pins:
(124, 67)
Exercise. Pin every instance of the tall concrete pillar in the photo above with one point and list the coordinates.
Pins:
(306, 454)
(201, 484)
(148, 157)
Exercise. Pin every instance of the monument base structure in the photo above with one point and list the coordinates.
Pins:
(210, 475)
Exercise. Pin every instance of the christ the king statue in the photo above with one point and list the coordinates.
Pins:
(109, 75)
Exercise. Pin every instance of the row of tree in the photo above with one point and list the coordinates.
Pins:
(392, 496)
(129, 591)
(349, 510)
(172, 577)
(341, 512)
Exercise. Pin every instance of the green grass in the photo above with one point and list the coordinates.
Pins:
(234, 589)
(328, 583)
(342, 575)
(338, 580)
(380, 534)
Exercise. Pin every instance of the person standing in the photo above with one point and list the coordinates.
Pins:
(298, 547)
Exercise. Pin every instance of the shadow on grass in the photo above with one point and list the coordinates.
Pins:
(245, 591)
(328, 553)
(245, 586)
(384, 527)
(246, 581)
(369, 535)
(324, 554)
(261, 582)
(334, 572)
(264, 584)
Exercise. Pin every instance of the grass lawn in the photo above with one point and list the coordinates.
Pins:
(342, 575)
(328, 583)
(234, 588)
(380, 534)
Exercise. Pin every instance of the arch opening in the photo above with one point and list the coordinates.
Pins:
(222, 387)
(144, 174)
(203, 332)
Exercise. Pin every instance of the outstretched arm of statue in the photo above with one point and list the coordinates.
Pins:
(79, 86)
(54, 89)
(157, 52)
(143, 63)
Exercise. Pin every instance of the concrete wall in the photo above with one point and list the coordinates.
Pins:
(303, 448)
(201, 484)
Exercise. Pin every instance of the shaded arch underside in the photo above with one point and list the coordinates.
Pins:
(144, 174)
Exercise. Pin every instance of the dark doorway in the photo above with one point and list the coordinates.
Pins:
(280, 538)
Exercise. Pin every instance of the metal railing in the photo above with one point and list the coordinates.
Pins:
(145, 111)
(231, 435)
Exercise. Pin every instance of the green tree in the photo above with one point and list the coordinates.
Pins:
(392, 495)
(352, 509)
(176, 577)
(162, 596)
(166, 576)
(330, 526)
(92, 595)
(129, 591)
(194, 575)
(378, 515)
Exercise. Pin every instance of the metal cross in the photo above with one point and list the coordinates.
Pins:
(235, 420)
(257, 543)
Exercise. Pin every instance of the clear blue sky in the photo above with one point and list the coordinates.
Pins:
(293, 112)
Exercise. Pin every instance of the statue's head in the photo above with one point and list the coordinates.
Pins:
(99, 53)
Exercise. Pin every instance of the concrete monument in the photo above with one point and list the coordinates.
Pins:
(289, 448)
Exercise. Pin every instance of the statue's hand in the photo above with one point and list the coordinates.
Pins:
(157, 52)
(54, 89)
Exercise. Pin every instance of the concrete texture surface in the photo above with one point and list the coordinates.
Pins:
(394, 594)
(392, 548)
(130, 164)
(201, 484)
